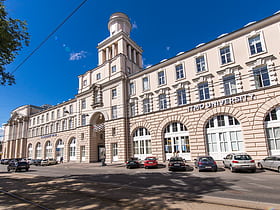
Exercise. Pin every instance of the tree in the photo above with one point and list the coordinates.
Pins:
(13, 35)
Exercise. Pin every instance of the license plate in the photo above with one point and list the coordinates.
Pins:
(208, 167)
(151, 162)
(176, 164)
(245, 166)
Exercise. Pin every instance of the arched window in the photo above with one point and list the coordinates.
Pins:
(29, 151)
(48, 150)
(176, 141)
(38, 154)
(272, 126)
(59, 149)
(223, 135)
(72, 149)
(142, 143)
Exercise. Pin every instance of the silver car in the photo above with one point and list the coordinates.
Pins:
(240, 162)
(271, 162)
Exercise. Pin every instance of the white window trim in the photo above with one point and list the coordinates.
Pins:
(251, 35)
(175, 72)
(149, 85)
(165, 77)
(224, 45)
(205, 60)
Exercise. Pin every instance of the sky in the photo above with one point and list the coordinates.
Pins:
(162, 28)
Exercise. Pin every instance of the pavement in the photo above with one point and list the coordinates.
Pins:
(71, 193)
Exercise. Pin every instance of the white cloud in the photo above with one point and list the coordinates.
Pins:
(134, 25)
(77, 56)
(167, 48)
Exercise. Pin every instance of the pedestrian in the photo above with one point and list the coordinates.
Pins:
(61, 159)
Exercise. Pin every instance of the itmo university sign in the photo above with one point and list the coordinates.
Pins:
(222, 102)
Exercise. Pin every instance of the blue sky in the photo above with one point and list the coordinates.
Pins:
(162, 28)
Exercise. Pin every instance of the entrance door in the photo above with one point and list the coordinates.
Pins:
(176, 141)
(101, 152)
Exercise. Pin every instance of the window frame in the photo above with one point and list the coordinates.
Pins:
(205, 90)
(161, 78)
(231, 57)
(181, 96)
(253, 35)
(200, 63)
(145, 80)
(180, 73)
(229, 80)
(258, 78)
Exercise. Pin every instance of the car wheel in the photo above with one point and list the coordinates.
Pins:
(279, 169)
(260, 165)
(27, 169)
(215, 170)
(253, 171)
(231, 169)
(8, 170)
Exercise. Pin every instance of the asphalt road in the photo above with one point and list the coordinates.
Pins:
(262, 186)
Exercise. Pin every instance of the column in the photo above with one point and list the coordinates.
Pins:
(129, 52)
(134, 56)
(113, 50)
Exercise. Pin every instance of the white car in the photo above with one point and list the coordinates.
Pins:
(271, 162)
(239, 162)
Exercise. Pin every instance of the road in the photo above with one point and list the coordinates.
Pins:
(262, 186)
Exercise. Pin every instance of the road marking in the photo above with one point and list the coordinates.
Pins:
(261, 185)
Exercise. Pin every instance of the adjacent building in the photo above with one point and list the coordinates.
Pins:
(220, 97)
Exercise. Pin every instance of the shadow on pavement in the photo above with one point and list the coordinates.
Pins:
(134, 191)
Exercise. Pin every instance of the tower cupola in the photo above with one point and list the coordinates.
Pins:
(119, 22)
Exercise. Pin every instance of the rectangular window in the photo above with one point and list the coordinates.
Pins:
(146, 105)
(203, 91)
(179, 71)
(47, 117)
(114, 69)
(71, 109)
(161, 78)
(98, 76)
(52, 115)
(83, 103)
(58, 113)
(229, 85)
(162, 101)
(42, 119)
(146, 85)
(255, 45)
(261, 77)
(181, 97)
(114, 112)
(132, 109)
(131, 88)
(115, 149)
(128, 70)
(83, 119)
(225, 55)
(114, 93)
(64, 111)
(200, 64)
(113, 131)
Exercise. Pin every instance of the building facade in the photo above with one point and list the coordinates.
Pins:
(220, 97)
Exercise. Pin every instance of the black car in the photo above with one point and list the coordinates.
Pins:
(176, 163)
(205, 163)
(133, 163)
(18, 166)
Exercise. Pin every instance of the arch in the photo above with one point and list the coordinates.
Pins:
(223, 135)
(72, 149)
(140, 124)
(38, 150)
(59, 149)
(48, 149)
(29, 151)
(142, 146)
(176, 140)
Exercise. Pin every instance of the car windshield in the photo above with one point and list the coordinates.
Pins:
(242, 157)
(150, 158)
(206, 159)
(176, 159)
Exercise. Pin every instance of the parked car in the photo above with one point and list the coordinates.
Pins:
(176, 163)
(18, 166)
(205, 163)
(271, 162)
(37, 162)
(5, 161)
(133, 163)
(47, 162)
(150, 162)
(239, 162)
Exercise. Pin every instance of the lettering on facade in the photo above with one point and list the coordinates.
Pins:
(48, 136)
(222, 102)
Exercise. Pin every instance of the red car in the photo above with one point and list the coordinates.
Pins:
(150, 162)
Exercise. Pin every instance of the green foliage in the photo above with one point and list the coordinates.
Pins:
(13, 35)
